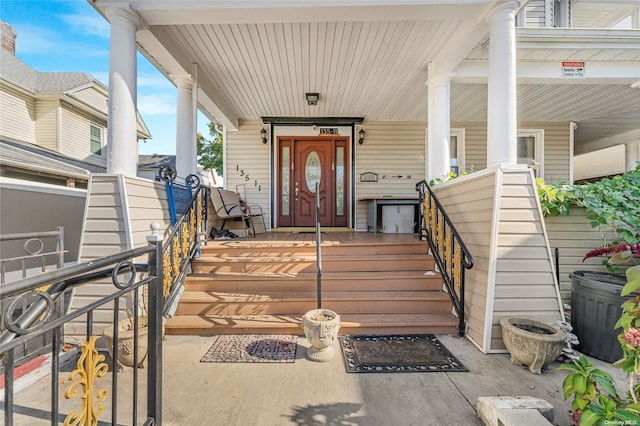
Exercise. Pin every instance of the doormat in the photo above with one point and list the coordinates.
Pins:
(409, 353)
(273, 348)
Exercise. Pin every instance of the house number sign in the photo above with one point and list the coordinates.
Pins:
(329, 131)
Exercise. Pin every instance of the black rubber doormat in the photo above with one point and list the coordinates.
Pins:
(272, 348)
(407, 353)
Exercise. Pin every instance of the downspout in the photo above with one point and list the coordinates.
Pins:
(59, 127)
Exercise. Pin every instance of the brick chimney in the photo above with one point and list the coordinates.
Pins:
(8, 37)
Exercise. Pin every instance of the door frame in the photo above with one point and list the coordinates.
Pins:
(538, 135)
(303, 130)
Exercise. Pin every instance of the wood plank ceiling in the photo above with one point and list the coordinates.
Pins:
(260, 62)
(372, 69)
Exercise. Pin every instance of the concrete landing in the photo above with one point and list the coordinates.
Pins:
(310, 393)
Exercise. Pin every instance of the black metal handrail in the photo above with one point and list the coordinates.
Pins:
(39, 318)
(449, 250)
(182, 245)
(318, 251)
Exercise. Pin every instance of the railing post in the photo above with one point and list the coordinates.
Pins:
(154, 379)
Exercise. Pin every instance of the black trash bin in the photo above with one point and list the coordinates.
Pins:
(595, 309)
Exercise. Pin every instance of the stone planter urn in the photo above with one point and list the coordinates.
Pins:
(532, 343)
(321, 330)
(125, 341)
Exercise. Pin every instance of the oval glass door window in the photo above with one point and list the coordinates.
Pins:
(312, 171)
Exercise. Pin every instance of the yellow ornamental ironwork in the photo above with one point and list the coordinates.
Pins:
(175, 255)
(199, 212)
(90, 366)
(457, 268)
(167, 278)
(192, 222)
(185, 240)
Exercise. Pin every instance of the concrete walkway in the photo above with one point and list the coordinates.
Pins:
(309, 393)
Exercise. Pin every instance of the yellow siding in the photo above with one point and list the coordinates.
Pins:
(248, 163)
(390, 149)
(47, 124)
(524, 282)
(470, 206)
(574, 236)
(18, 115)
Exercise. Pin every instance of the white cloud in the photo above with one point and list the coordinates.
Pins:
(154, 81)
(88, 25)
(156, 104)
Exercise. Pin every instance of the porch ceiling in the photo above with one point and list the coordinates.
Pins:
(366, 59)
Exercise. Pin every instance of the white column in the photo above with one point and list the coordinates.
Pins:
(631, 155)
(502, 121)
(186, 147)
(439, 122)
(122, 122)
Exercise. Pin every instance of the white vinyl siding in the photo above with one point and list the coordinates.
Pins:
(118, 215)
(525, 284)
(535, 13)
(573, 236)
(18, 115)
(148, 202)
(92, 97)
(475, 140)
(47, 124)
(556, 147)
(395, 151)
(247, 166)
(497, 213)
(75, 136)
(470, 207)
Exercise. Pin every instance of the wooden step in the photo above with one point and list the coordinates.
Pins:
(290, 324)
(283, 303)
(306, 281)
(294, 264)
(277, 249)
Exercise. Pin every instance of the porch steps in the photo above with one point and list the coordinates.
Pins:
(253, 287)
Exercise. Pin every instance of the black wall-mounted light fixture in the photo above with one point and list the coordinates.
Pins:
(312, 98)
(263, 134)
(361, 134)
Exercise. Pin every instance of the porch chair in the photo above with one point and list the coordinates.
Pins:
(228, 205)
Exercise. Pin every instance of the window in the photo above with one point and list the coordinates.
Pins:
(561, 13)
(456, 150)
(95, 139)
(531, 149)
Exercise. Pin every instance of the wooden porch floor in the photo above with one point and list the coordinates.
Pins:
(327, 238)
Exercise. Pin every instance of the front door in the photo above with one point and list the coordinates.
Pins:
(307, 165)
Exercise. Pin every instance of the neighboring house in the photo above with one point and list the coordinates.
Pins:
(63, 113)
(53, 128)
(149, 165)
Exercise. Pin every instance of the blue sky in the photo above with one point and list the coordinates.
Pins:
(70, 36)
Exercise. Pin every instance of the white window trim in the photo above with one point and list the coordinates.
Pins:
(538, 134)
(460, 135)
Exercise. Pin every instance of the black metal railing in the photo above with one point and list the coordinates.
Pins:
(449, 251)
(182, 244)
(80, 387)
(318, 251)
(34, 253)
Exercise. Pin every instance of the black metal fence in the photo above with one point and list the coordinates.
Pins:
(28, 254)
